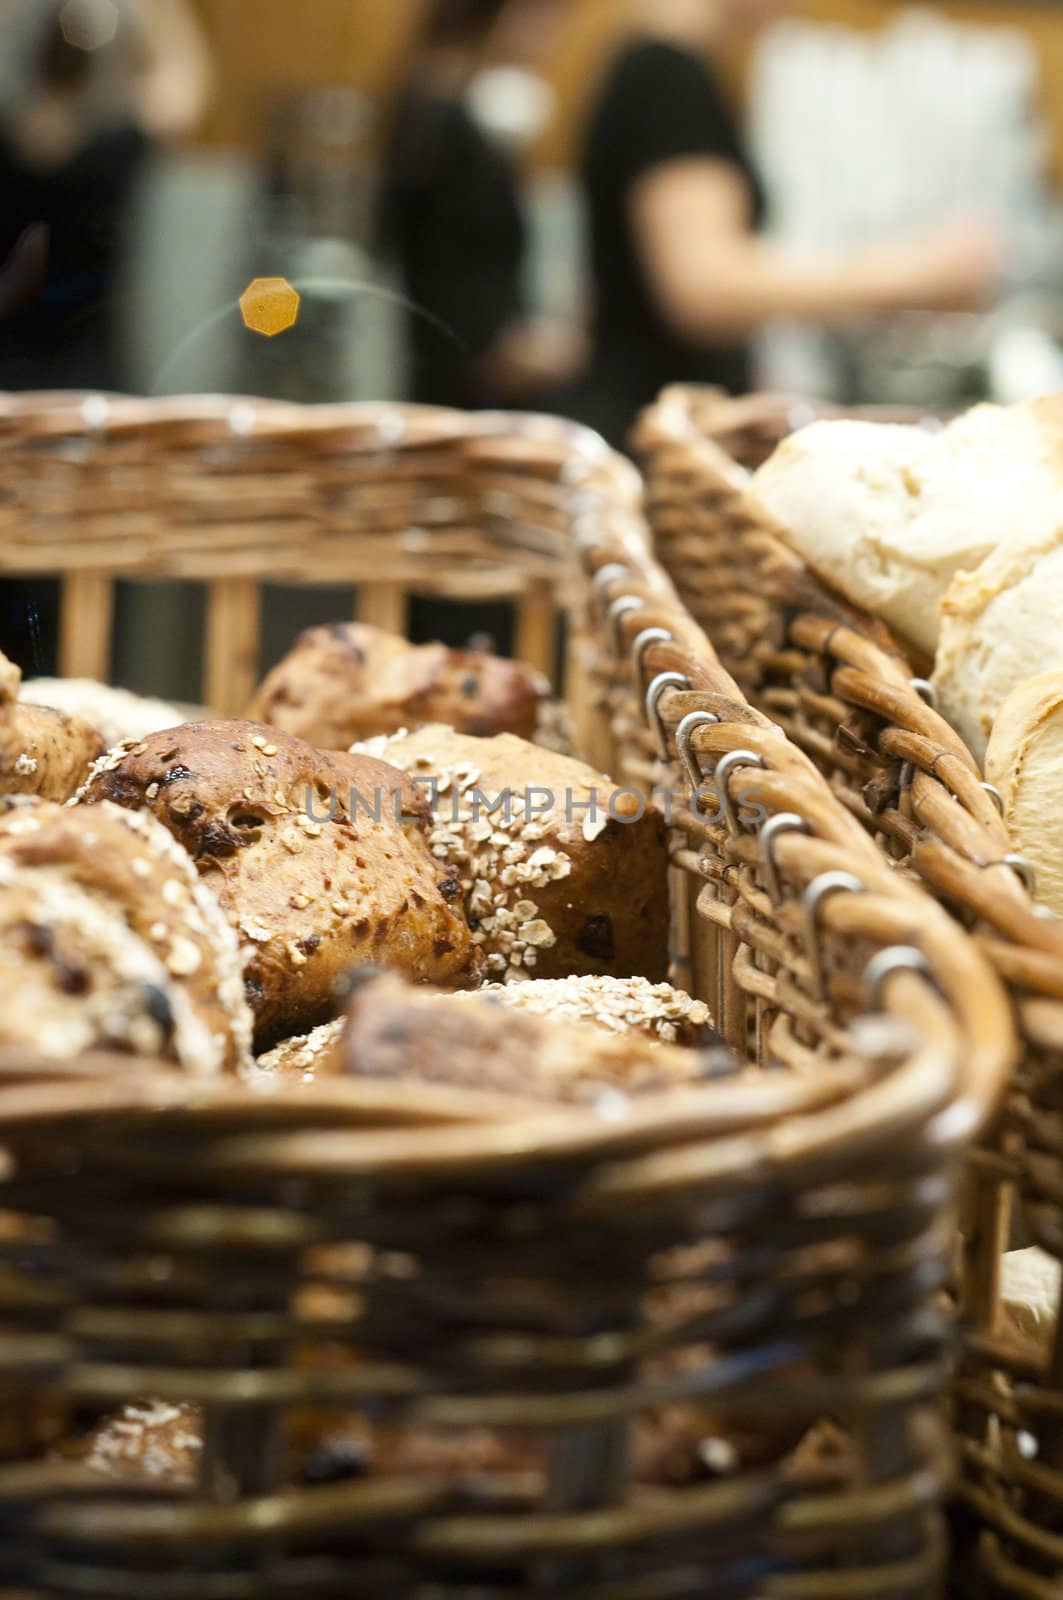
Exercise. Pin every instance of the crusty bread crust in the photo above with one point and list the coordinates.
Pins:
(348, 681)
(127, 861)
(550, 895)
(398, 1032)
(42, 752)
(311, 889)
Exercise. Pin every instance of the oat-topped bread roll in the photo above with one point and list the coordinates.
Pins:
(549, 888)
(42, 751)
(150, 1442)
(413, 1034)
(310, 889)
(889, 515)
(308, 1056)
(115, 713)
(1000, 628)
(1025, 762)
(348, 681)
(130, 865)
(656, 1012)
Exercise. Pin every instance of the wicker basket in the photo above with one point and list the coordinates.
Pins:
(499, 1275)
(849, 695)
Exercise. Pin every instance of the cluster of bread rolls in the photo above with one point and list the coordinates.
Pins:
(952, 536)
(194, 890)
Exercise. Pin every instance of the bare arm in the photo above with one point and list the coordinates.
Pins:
(714, 279)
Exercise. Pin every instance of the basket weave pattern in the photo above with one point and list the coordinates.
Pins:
(768, 1249)
(850, 696)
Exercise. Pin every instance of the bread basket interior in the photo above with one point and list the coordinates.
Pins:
(425, 1347)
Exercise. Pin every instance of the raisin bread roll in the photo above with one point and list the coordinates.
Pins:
(550, 889)
(311, 889)
(75, 978)
(128, 862)
(398, 1032)
(42, 752)
(116, 714)
(348, 681)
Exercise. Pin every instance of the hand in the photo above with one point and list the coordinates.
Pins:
(535, 355)
(958, 266)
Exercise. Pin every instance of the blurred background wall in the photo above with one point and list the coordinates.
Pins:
(362, 41)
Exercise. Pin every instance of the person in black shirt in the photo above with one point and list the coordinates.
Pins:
(681, 278)
(451, 217)
(79, 119)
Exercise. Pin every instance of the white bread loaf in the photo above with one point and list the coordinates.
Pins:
(888, 515)
(999, 628)
(1025, 762)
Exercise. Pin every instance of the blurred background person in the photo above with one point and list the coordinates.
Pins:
(88, 90)
(451, 216)
(682, 279)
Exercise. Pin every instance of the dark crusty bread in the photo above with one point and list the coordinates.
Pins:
(42, 752)
(129, 864)
(550, 895)
(311, 888)
(348, 681)
(417, 1035)
(656, 1013)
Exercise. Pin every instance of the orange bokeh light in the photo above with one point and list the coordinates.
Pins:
(270, 306)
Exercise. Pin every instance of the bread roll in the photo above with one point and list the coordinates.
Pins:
(160, 1445)
(999, 629)
(131, 867)
(147, 1443)
(76, 979)
(115, 713)
(657, 1013)
(348, 681)
(622, 1006)
(1025, 762)
(889, 515)
(410, 1034)
(42, 752)
(1029, 1293)
(306, 1057)
(550, 887)
(309, 856)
